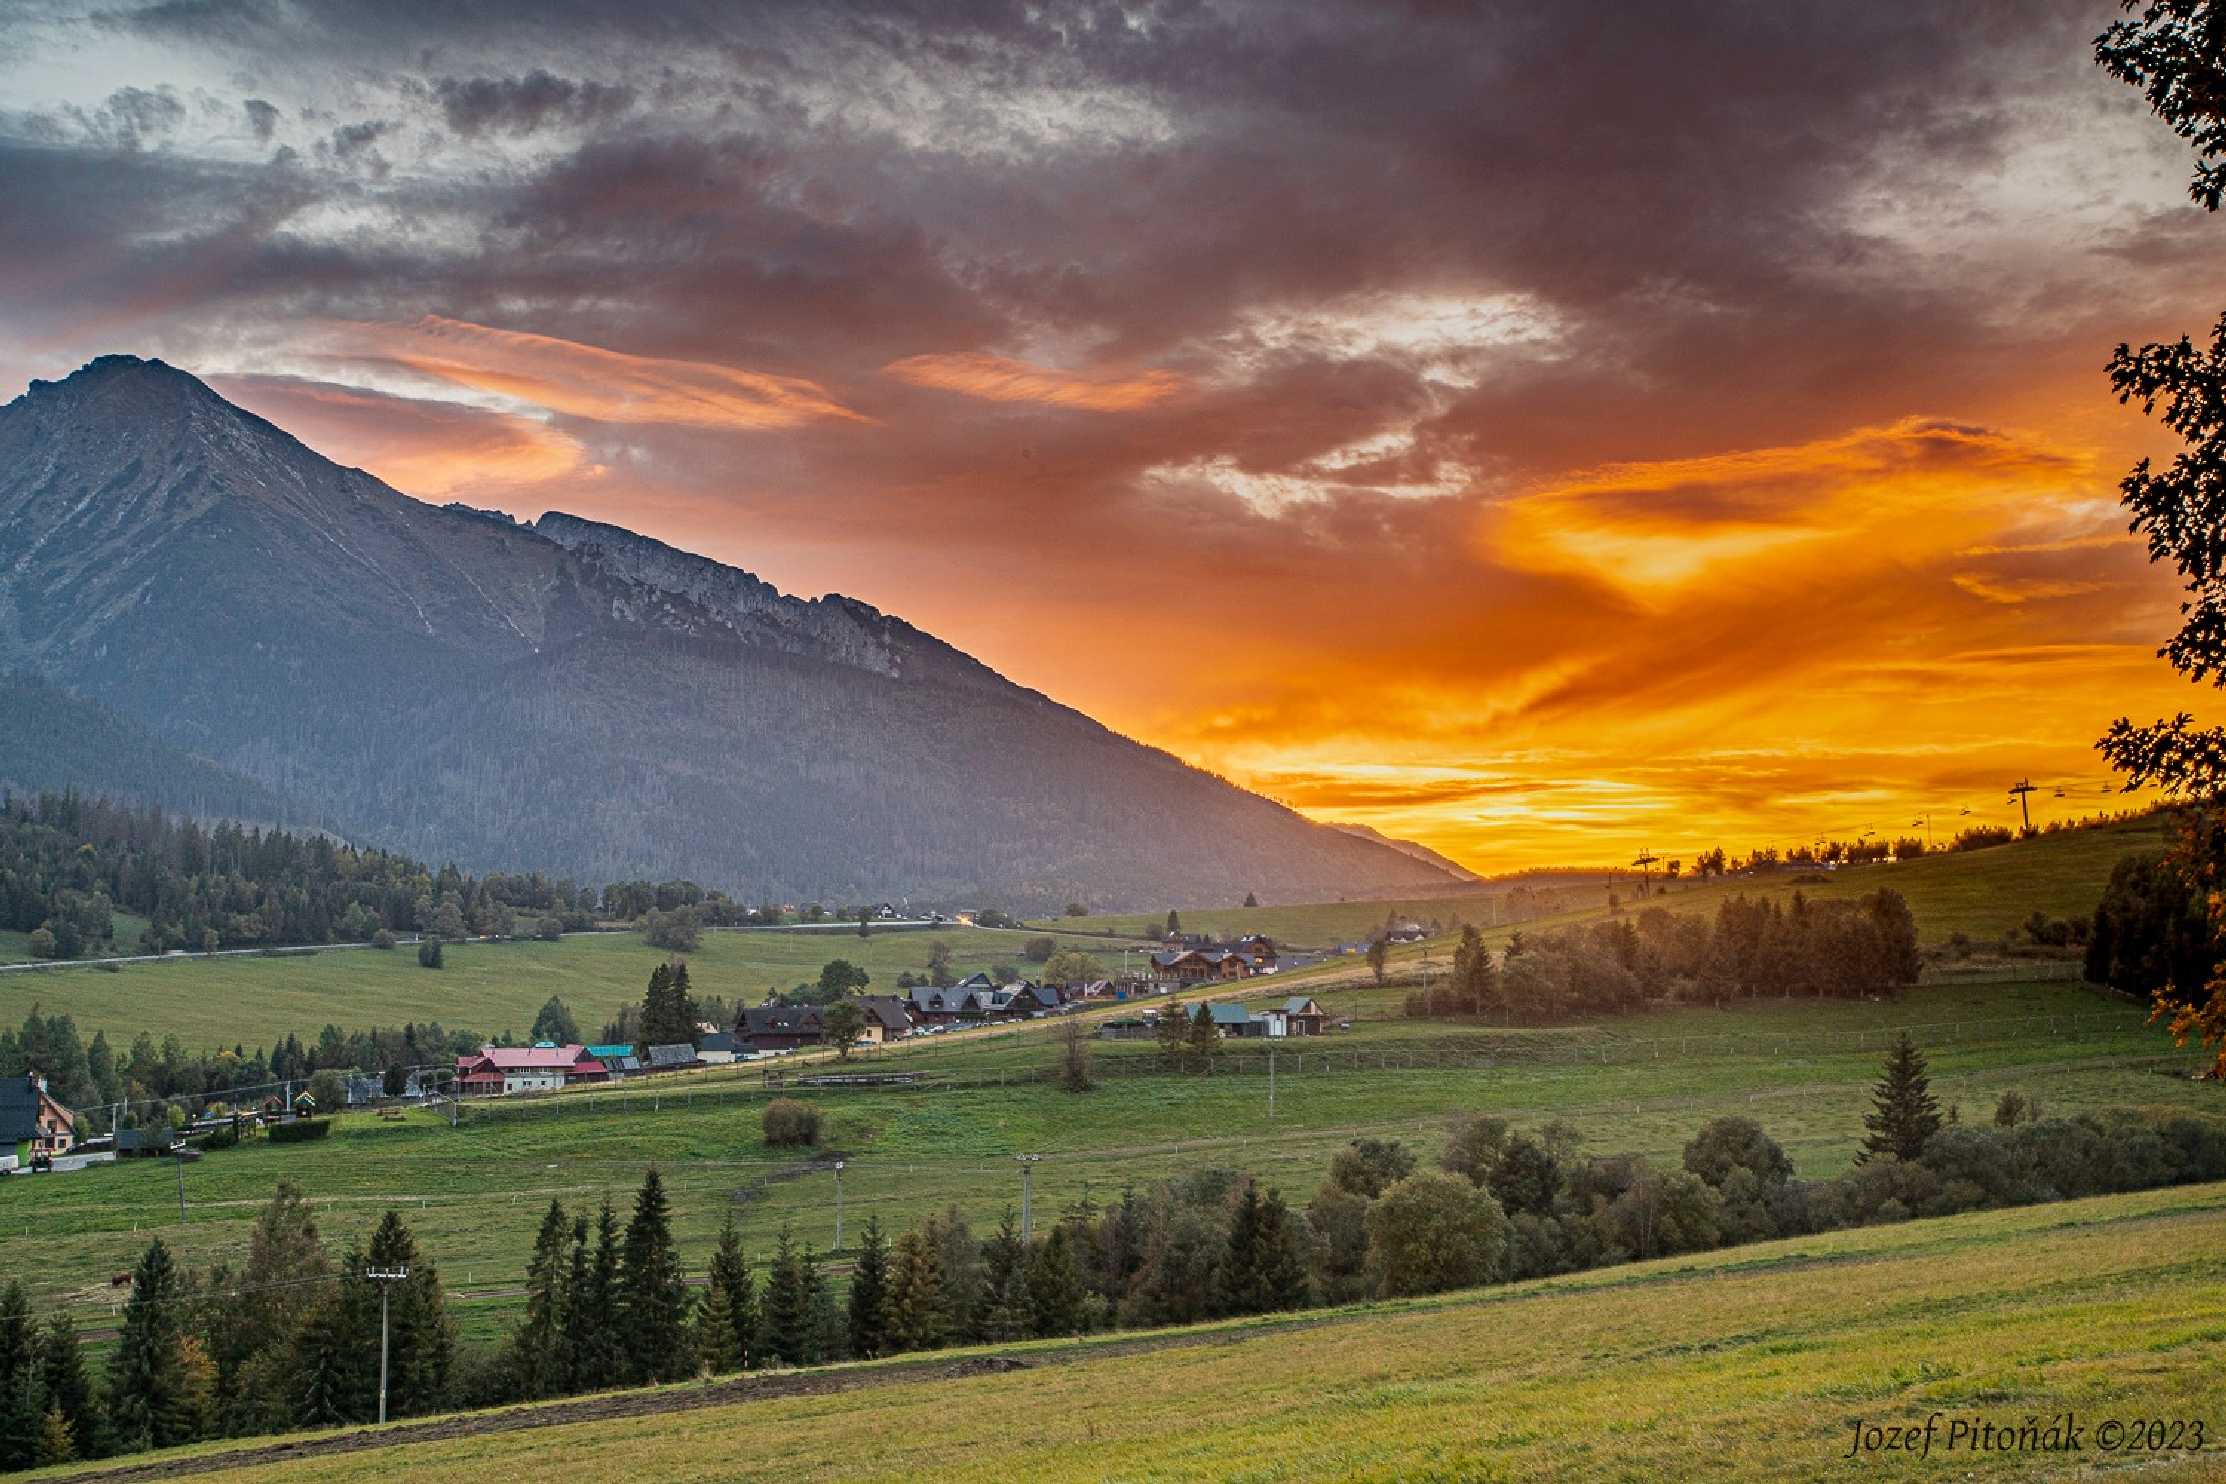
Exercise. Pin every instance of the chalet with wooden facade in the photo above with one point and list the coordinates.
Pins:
(31, 1120)
(781, 1027)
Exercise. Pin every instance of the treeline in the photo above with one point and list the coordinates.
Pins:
(69, 863)
(1751, 948)
(86, 1076)
(289, 1339)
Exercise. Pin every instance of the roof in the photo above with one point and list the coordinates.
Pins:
(543, 1058)
(781, 1020)
(610, 1053)
(1227, 1012)
(20, 1099)
(680, 1055)
(885, 1010)
(716, 1041)
(1300, 1004)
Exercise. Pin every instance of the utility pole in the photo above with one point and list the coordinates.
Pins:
(386, 1278)
(838, 1207)
(1271, 1084)
(1027, 1190)
(177, 1157)
(1645, 863)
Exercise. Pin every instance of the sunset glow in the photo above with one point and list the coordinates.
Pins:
(1261, 386)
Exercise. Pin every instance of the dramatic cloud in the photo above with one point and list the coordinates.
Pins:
(1542, 431)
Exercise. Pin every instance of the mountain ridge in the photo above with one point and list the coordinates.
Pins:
(570, 695)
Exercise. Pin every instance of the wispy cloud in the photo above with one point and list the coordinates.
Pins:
(1001, 379)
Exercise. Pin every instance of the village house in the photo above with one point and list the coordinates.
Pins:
(780, 1027)
(1200, 965)
(672, 1058)
(1303, 1016)
(717, 1049)
(887, 1018)
(1128, 1028)
(541, 1067)
(1232, 1020)
(31, 1120)
(619, 1061)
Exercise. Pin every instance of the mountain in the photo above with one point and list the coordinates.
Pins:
(1414, 849)
(51, 740)
(569, 696)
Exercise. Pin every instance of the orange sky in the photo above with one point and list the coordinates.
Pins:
(1543, 435)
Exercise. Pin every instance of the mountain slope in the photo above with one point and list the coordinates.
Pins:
(573, 697)
(1414, 848)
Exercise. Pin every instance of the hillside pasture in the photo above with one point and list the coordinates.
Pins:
(1758, 1363)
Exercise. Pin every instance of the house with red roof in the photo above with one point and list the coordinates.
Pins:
(542, 1067)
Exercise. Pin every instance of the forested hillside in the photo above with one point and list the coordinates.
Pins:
(569, 696)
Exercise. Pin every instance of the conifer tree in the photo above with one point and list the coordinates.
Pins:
(1005, 1273)
(1283, 1268)
(869, 1289)
(830, 1330)
(785, 1315)
(538, 1362)
(147, 1402)
(22, 1385)
(726, 1325)
(1905, 1114)
(1205, 1037)
(1055, 1286)
(56, 1442)
(600, 1356)
(1174, 1031)
(914, 1316)
(334, 1368)
(653, 1297)
(421, 1336)
(1243, 1260)
(576, 1277)
(69, 1389)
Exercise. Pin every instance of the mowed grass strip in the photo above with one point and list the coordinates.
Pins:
(1754, 1364)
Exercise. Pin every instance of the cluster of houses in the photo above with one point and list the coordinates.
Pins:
(1300, 1015)
(1192, 959)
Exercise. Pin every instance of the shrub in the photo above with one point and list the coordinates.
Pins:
(382, 939)
(300, 1131)
(1724, 1145)
(1432, 1232)
(429, 954)
(791, 1124)
(1367, 1167)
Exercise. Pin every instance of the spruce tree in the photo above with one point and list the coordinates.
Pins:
(601, 1356)
(1906, 1115)
(539, 1364)
(1055, 1285)
(334, 1369)
(1241, 1276)
(147, 1402)
(576, 1278)
(656, 1009)
(869, 1289)
(1205, 1036)
(1283, 1269)
(784, 1317)
(653, 1296)
(725, 1323)
(22, 1383)
(69, 1389)
(830, 1329)
(914, 1316)
(1173, 1030)
(420, 1333)
(56, 1443)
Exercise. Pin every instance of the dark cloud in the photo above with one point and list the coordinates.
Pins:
(262, 118)
(523, 105)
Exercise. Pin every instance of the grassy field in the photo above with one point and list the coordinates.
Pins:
(486, 987)
(1981, 892)
(1753, 1364)
(475, 1192)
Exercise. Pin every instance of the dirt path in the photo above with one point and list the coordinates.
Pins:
(761, 1386)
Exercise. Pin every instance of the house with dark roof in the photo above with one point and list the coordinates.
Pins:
(931, 1006)
(31, 1119)
(781, 1027)
(618, 1061)
(672, 1058)
(887, 1018)
(716, 1049)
